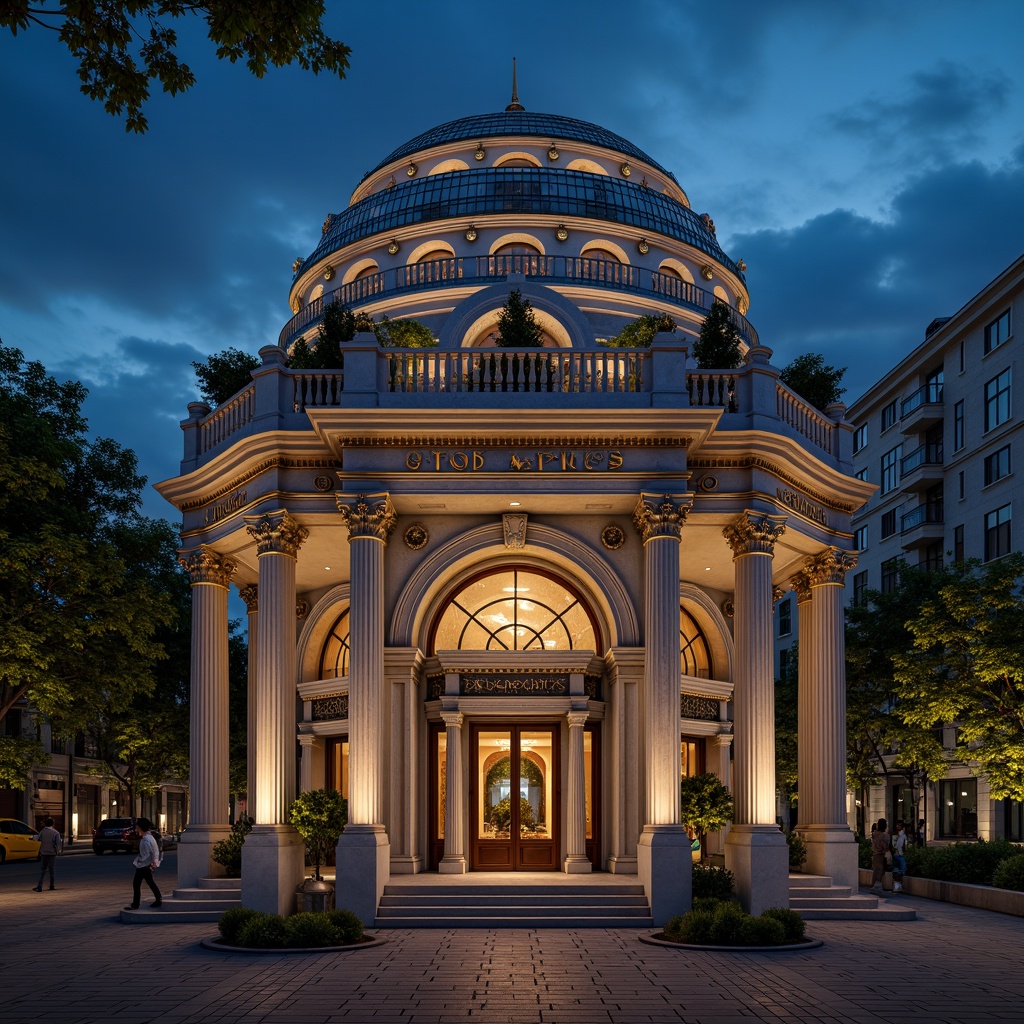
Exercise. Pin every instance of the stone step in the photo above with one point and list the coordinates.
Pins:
(503, 900)
(504, 910)
(220, 883)
(830, 903)
(494, 921)
(854, 913)
(827, 892)
(169, 913)
(798, 881)
(593, 892)
(211, 895)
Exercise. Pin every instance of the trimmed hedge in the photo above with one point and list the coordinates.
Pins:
(713, 923)
(1009, 874)
(254, 929)
(712, 883)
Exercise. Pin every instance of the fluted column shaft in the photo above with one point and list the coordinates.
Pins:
(454, 802)
(752, 538)
(278, 538)
(250, 595)
(210, 576)
(576, 818)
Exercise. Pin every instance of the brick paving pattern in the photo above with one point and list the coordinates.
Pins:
(65, 957)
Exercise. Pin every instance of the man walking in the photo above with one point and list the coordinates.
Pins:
(145, 862)
(50, 844)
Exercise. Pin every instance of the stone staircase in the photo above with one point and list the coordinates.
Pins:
(487, 905)
(815, 898)
(204, 903)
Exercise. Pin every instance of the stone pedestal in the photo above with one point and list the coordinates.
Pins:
(363, 859)
(758, 857)
(273, 866)
(664, 867)
(195, 854)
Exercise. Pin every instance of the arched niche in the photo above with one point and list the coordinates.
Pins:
(579, 164)
(722, 294)
(608, 246)
(708, 616)
(681, 270)
(516, 159)
(446, 166)
(425, 251)
(361, 268)
(517, 238)
(316, 630)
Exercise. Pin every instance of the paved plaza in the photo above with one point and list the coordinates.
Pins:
(65, 957)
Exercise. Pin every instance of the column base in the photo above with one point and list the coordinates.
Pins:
(665, 870)
(758, 857)
(578, 864)
(831, 850)
(195, 854)
(453, 866)
(273, 866)
(407, 865)
(620, 865)
(363, 861)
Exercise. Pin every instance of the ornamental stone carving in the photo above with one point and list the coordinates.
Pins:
(514, 526)
(205, 565)
(276, 532)
(830, 566)
(661, 515)
(754, 533)
(367, 515)
(250, 594)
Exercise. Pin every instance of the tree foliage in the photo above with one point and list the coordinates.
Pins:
(403, 334)
(966, 667)
(705, 805)
(78, 623)
(640, 333)
(812, 379)
(517, 324)
(718, 347)
(786, 736)
(123, 48)
(320, 816)
(337, 327)
(224, 374)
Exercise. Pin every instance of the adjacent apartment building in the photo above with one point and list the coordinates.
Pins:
(940, 437)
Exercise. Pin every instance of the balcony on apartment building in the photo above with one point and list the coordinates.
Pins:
(923, 409)
(922, 525)
(922, 468)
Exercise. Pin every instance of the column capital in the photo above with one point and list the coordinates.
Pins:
(801, 583)
(367, 515)
(661, 515)
(828, 567)
(250, 594)
(452, 718)
(204, 565)
(276, 533)
(577, 719)
(754, 533)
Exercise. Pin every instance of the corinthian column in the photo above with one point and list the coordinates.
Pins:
(821, 717)
(454, 861)
(576, 860)
(273, 857)
(363, 849)
(210, 576)
(755, 849)
(250, 595)
(663, 852)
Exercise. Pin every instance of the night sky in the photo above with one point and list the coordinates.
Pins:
(865, 159)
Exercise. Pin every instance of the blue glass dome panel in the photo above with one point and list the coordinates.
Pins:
(496, 190)
(550, 127)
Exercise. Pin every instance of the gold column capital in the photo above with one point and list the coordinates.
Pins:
(368, 515)
(754, 533)
(204, 565)
(250, 594)
(830, 567)
(276, 532)
(661, 515)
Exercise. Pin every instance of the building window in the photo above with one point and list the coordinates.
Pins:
(335, 655)
(860, 588)
(997, 533)
(958, 426)
(891, 468)
(862, 474)
(997, 465)
(997, 400)
(785, 617)
(694, 653)
(961, 485)
(888, 523)
(958, 543)
(958, 809)
(931, 557)
(860, 438)
(963, 357)
(889, 415)
(783, 663)
(890, 575)
(860, 538)
(997, 332)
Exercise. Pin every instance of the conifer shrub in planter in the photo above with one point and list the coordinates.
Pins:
(231, 923)
(797, 850)
(1009, 874)
(717, 923)
(349, 927)
(263, 931)
(310, 930)
(792, 923)
(228, 852)
(712, 883)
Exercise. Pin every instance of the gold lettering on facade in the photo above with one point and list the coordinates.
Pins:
(413, 461)
(545, 457)
(441, 460)
(798, 503)
(568, 461)
(458, 461)
(224, 508)
(514, 686)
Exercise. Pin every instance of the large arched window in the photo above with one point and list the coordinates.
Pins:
(334, 659)
(515, 610)
(694, 654)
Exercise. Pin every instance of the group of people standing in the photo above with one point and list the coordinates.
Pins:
(888, 853)
(51, 843)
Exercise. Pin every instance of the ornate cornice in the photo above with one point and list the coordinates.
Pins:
(452, 718)
(756, 462)
(279, 462)
(661, 515)
(276, 533)
(754, 533)
(250, 594)
(367, 515)
(577, 719)
(512, 441)
(204, 565)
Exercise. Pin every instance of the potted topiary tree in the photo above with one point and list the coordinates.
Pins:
(319, 816)
(705, 805)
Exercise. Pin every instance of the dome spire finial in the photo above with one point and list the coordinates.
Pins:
(515, 104)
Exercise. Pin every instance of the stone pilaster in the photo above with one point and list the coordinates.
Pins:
(719, 761)
(363, 849)
(312, 769)
(821, 717)
(273, 858)
(454, 861)
(626, 747)
(663, 859)
(576, 861)
(210, 576)
(402, 666)
(250, 595)
(756, 849)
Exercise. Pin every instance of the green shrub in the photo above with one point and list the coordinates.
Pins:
(727, 927)
(1009, 874)
(797, 849)
(694, 927)
(706, 903)
(712, 883)
(229, 851)
(348, 925)
(309, 930)
(232, 921)
(916, 856)
(760, 931)
(970, 863)
(864, 853)
(264, 931)
(792, 923)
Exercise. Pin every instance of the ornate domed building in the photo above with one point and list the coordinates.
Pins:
(503, 598)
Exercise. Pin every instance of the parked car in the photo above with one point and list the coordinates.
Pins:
(16, 841)
(115, 834)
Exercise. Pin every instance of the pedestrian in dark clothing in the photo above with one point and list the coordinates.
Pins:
(50, 844)
(145, 862)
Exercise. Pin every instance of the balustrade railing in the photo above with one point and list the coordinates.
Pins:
(227, 419)
(923, 455)
(928, 513)
(929, 394)
(803, 418)
(315, 389)
(712, 388)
